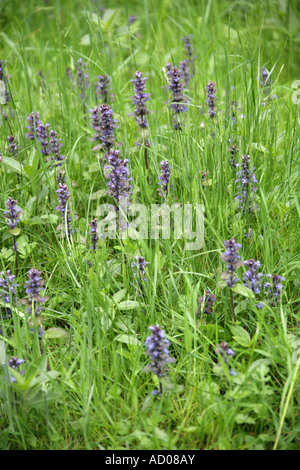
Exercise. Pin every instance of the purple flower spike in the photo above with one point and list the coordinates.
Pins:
(33, 122)
(158, 350)
(82, 78)
(42, 137)
(211, 99)
(225, 351)
(139, 99)
(164, 178)
(184, 66)
(103, 88)
(55, 145)
(275, 287)
(63, 196)
(189, 52)
(208, 301)
(13, 146)
(247, 185)
(94, 234)
(178, 101)
(139, 266)
(33, 287)
(251, 278)
(232, 259)
(118, 176)
(233, 150)
(13, 214)
(7, 286)
(104, 125)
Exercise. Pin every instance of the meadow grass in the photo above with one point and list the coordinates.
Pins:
(84, 385)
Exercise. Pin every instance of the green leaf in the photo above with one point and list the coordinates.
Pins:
(243, 290)
(128, 339)
(55, 332)
(29, 209)
(98, 194)
(85, 40)
(128, 305)
(13, 165)
(40, 399)
(244, 419)
(240, 335)
(15, 231)
(6, 253)
(119, 295)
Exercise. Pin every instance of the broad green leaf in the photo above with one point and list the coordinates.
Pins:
(128, 305)
(55, 332)
(15, 231)
(243, 290)
(118, 296)
(85, 40)
(13, 165)
(244, 419)
(240, 335)
(128, 339)
(40, 399)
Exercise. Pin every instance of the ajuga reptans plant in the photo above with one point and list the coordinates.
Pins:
(158, 350)
(233, 262)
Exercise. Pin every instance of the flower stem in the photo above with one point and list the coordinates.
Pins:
(232, 305)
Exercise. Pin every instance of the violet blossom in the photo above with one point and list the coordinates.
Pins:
(104, 126)
(12, 215)
(13, 146)
(178, 101)
(207, 301)
(189, 52)
(275, 287)
(139, 100)
(211, 99)
(103, 88)
(118, 176)
(247, 185)
(139, 266)
(55, 145)
(158, 350)
(164, 178)
(63, 196)
(33, 287)
(251, 278)
(33, 122)
(8, 294)
(82, 78)
(94, 234)
(225, 352)
(14, 362)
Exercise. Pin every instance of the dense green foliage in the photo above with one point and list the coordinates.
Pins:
(84, 385)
